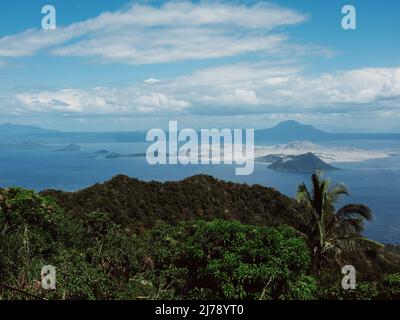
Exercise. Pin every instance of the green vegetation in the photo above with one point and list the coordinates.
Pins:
(235, 261)
(140, 205)
(215, 253)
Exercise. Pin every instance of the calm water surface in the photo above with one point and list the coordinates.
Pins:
(375, 183)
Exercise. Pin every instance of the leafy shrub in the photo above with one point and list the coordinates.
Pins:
(237, 261)
(31, 228)
(391, 287)
(77, 278)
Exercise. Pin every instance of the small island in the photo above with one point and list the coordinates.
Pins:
(70, 148)
(306, 163)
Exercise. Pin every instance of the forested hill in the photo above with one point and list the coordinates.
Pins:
(139, 204)
(187, 257)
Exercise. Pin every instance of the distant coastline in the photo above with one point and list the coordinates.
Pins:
(283, 132)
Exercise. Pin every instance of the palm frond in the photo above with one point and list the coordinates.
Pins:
(355, 211)
(338, 191)
(331, 248)
(318, 194)
(349, 243)
(376, 243)
(303, 195)
(357, 224)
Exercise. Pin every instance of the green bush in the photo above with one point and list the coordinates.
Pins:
(390, 288)
(31, 228)
(237, 261)
(77, 278)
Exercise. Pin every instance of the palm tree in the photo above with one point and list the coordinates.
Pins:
(332, 232)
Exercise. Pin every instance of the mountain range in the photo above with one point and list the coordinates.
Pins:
(283, 132)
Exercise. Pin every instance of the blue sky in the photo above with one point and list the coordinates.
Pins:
(123, 65)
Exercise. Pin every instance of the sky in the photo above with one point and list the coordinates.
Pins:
(134, 65)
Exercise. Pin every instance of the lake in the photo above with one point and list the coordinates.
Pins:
(375, 183)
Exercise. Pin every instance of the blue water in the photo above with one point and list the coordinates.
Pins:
(375, 183)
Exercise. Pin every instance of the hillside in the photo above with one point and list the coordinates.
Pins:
(174, 240)
(140, 204)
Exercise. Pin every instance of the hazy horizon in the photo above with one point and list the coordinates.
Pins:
(328, 129)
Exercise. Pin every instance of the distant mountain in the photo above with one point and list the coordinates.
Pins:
(308, 162)
(12, 133)
(291, 130)
(20, 134)
(16, 130)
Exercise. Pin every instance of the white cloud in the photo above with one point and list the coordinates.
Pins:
(156, 102)
(31, 41)
(239, 97)
(151, 81)
(66, 100)
(175, 31)
(236, 89)
(96, 101)
(285, 88)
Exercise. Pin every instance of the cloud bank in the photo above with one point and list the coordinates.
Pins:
(229, 90)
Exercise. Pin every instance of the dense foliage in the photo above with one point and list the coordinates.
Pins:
(140, 204)
(98, 257)
(235, 261)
